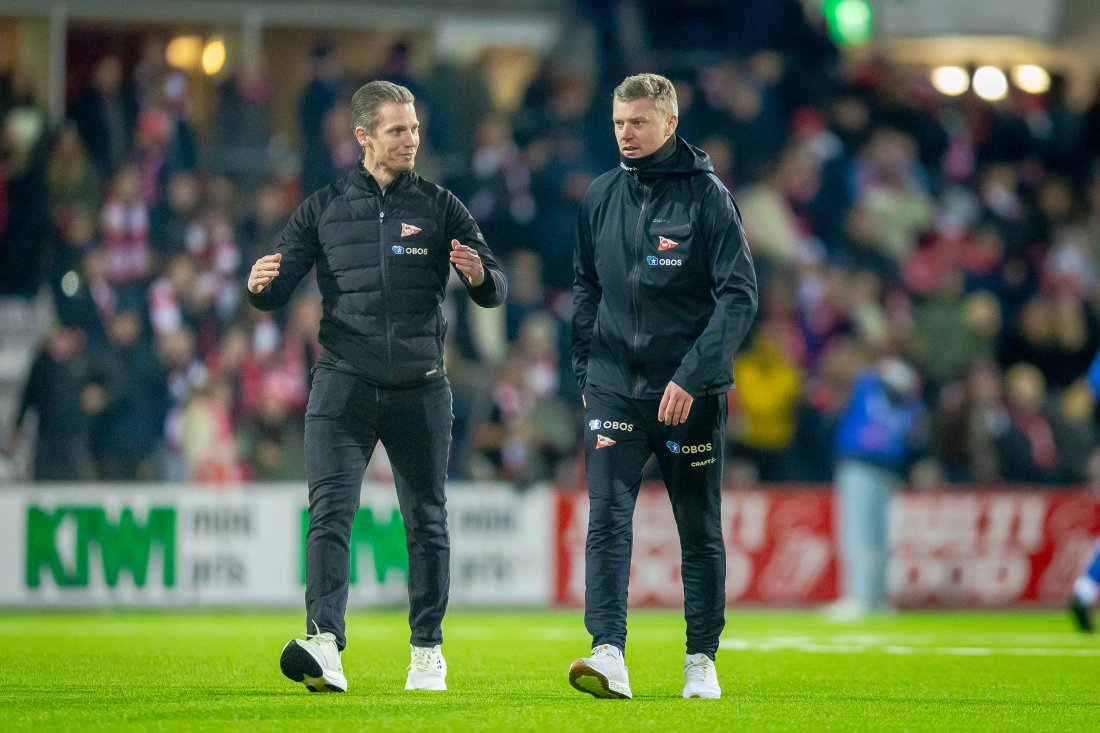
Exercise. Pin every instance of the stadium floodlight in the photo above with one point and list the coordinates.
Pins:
(950, 80)
(1031, 78)
(990, 83)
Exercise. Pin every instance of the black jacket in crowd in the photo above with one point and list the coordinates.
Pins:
(382, 265)
(665, 288)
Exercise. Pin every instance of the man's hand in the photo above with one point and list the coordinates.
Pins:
(675, 405)
(263, 272)
(468, 262)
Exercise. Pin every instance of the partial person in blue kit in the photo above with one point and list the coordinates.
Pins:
(1086, 588)
(384, 242)
(664, 293)
(881, 429)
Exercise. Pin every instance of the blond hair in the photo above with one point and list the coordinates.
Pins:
(649, 86)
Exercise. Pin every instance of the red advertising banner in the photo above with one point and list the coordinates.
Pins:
(979, 548)
(989, 548)
(779, 548)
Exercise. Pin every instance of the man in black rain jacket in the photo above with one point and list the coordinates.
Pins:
(664, 294)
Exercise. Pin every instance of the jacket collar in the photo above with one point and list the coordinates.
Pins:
(361, 178)
(654, 159)
(676, 157)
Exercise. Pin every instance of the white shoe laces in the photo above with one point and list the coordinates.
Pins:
(697, 671)
(424, 660)
(604, 651)
(320, 637)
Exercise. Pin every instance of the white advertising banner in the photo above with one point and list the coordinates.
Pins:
(162, 545)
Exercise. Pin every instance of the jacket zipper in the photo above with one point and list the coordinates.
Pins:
(385, 285)
(635, 294)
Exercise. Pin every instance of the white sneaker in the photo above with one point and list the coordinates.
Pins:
(427, 669)
(846, 610)
(700, 677)
(315, 662)
(602, 675)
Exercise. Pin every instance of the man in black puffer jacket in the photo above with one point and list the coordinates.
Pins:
(383, 241)
(664, 294)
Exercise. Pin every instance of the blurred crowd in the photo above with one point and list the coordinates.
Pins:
(958, 237)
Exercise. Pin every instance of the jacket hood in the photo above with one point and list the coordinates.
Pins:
(676, 156)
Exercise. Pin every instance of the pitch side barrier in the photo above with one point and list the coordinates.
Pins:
(179, 545)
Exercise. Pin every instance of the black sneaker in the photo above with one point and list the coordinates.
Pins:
(1082, 615)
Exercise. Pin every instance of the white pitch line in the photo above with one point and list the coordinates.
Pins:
(820, 646)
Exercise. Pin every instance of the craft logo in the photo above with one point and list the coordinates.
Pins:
(602, 441)
(407, 230)
(664, 243)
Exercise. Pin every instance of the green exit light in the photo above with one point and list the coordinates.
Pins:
(849, 21)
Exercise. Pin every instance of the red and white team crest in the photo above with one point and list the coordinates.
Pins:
(408, 230)
(664, 243)
(602, 441)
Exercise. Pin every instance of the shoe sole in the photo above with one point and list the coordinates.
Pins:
(595, 683)
(298, 665)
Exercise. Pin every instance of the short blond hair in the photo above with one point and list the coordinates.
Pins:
(649, 86)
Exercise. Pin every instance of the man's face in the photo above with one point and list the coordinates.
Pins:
(396, 138)
(639, 128)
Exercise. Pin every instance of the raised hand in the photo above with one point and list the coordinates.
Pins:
(263, 272)
(468, 262)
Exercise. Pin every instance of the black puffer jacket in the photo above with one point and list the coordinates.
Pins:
(665, 288)
(382, 265)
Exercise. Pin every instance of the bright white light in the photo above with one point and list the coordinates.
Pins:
(950, 80)
(990, 83)
(1031, 78)
(70, 283)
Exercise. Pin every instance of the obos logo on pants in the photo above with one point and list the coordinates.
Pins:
(596, 424)
(699, 448)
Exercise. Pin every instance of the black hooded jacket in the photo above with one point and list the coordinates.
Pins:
(382, 266)
(665, 288)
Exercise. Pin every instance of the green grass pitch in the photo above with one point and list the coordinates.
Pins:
(783, 671)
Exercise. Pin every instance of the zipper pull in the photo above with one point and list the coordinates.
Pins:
(381, 214)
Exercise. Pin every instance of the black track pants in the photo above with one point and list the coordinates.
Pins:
(620, 435)
(344, 422)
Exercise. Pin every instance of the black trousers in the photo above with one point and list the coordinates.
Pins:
(345, 419)
(620, 435)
